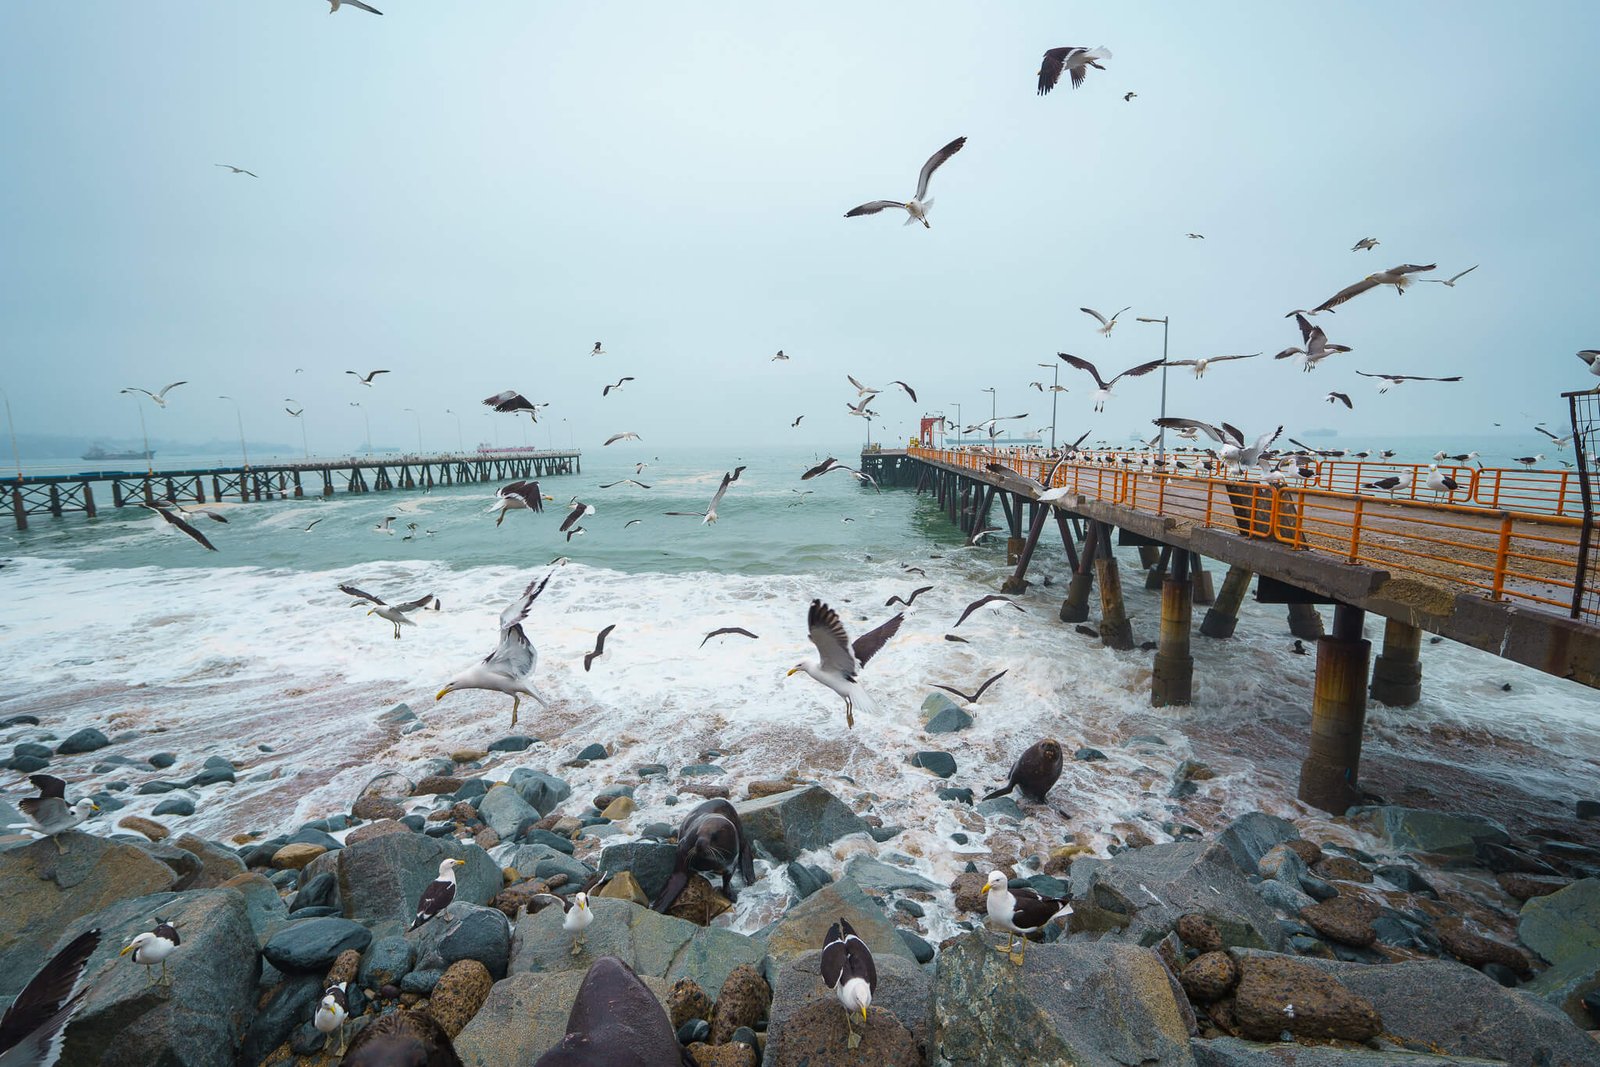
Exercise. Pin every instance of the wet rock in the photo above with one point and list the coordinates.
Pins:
(1475, 950)
(649, 861)
(1000, 807)
(458, 995)
(806, 878)
(1282, 994)
(1088, 755)
(742, 1001)
(174, 805)
(512, 743)
(505, 811)
(86, 740)
(435, 784)
(942, 764)
(904, 989)
(1209, 976)
(140, 825)
(815, 1034)
(27, 764)
(1347, 920)
(285, 1006)
(618, 809)
(381, 879)
(872, 873)
(463, 931)
(688, 1001)
(542, 791)
(1417, 830)
(1199, 933)
(699, 903)
(730, 1055)
(943, 715)
(968, 890)
(1282, 864)
(786, 824)
(1500, 859)
(375, 829)
(1051, 1009)
(47, 890)
(542, 861)
(386, 961)
(1408, 879)
(295, 857)
(695, 1029)
(218, 863)
(1308, 851)
(309, 946)
(1343, 868)
(1233, 1052)
(526, 1015)
(623, 886)
(695, 770)
(1528, 886)
(1252, 836)
(376, 808)
(960, 794)
(420, 982)
(804, 927)
(1564, 928)
(921, 951)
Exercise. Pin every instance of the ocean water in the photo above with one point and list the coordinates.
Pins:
(252, 652)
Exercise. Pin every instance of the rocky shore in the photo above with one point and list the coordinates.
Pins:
(1445, 941)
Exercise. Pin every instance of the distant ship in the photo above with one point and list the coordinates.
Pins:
(486, 447)
(96, 452)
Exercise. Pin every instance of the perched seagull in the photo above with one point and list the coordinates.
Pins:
(578, 915)
(1076, 61)
(1389, 381)
(1591, 356)
(909, 599)
(364, 379)
(614, 438)
(1439, 482)
(1529, 461)
(1392, 484)
(778, 357)
(599, 647)
(848, 970)
(511, 401)
(159, 398)
(624, 481)
(393, 613)
(916, 208)
(1316, 347)
(973, 698)
(1399, 277)
(1200, 365)
(721, 630)
(1561, 442)
(1020, 911)
(1339, 398)
(517, 496)
(579, 510)
(709, 515)
(839, 662)
(236, 170)
(48, 813)
(439, 892)
(607, 390)
(32, 1027)
(597, 350)
(386, 526)
(177, 520)
(508, 668)
(1366, 244)
(153, 947)
(1128, 96)
(333, 1013)
(980, 602)
(1103, 393)
(1451, 281)
(1106, 325)
(334, 5)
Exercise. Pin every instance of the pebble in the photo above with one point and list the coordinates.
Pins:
(696, 769)
(919, 947)
(693, 1030)
(957, 793)
(594, 752)
(650, 770)
(32, 748)
(140, 825)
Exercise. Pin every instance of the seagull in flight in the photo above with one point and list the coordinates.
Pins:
(393, 613)
(863, 390)
(364, 379)
(1399, 277)
(1451, 281)
(1195, 236)
(839, 662)
(334, 5)
(517, 496)
(1366, 244)
(1103, 393)
(510, 666)
(177, 520)
(1128, 96)
(159, 398)
(607, 390)
(236, 170)
(1316, 347)
(830, 465)
(614, 438)
(1561, 442)
(709, 515)
(1340, 398)
(916, 208)
(1200, 365)
(1389, 381)
(597, 350)
(511, 401)
(1591, 356)
(778, 357)
(1075, 61)
(1234, 449)
(1106, 325)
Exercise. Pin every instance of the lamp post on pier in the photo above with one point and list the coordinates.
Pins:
(237, 414)
(1055, 393)
(300, 416)
(11, 425)
(418, 417)
(992, 419)
(461, 442)
(1161, 440)
(957, 406)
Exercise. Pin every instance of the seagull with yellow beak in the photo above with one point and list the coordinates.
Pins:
(1020, 911)
(508, 668)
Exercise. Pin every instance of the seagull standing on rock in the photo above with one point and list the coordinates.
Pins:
(48, 813)
(848, 970)
(1020, 911)
(439, 893)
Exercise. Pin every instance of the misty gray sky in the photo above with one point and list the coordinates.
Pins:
(471, 195)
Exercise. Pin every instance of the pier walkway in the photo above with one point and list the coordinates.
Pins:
(60, 494)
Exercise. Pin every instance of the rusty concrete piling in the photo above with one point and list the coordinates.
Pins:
(1397, 672)
(1338, 715)
(1223, 616)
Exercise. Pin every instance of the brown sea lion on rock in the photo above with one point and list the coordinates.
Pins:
(616, 1022)
(711, 839)
(1035, 771)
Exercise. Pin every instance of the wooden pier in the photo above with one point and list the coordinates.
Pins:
(1509, 582)
(62, 494)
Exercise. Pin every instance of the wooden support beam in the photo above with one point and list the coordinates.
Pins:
(88, 500)
(1223, 617)
(1156, 577)
(1064, 524)
(18, 510)
(1018, 583)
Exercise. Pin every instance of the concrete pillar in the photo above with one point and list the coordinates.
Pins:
(1305, 621)
(1172, 681)
(1149, 556)
(1156, 576)
(20, 512)
(1224, 614)
(1076, 607)
(1200, 580)
(1397, 673)
(1115, 629)
(1338, 714)
(1013, 550)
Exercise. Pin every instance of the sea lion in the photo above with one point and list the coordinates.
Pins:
(1035, 771)
(711, 839)
(413, 1038)
(616, 1022)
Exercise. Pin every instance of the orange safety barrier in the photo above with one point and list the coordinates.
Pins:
(1524, 549)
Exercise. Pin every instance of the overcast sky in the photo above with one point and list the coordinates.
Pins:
(472, 194)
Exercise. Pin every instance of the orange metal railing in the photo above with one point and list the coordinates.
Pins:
(1524, 548)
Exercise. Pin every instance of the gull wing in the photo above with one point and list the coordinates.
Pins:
(1183, 362)
(162, 395)
(833, 958)
(909, 391)
(599, 646)
(1083, 364)
(33, 1023)
(727, 630)
(727, 480)
(987, 684)
(908, 600)
(579, 510)
(1174, 423)
(821, 468)
(872, 207)
(1264, 442)
(1341, 397)
(1348, 292)
(980, 602)
(1050, 67)
(517, 610)
(175, 520)
(413, 605)
(1097, 315)
(833, 644)
(346, 587)
(364, 7)
(528, 492)
(1224, 359)
(1134, 372)
(868, 644)
(934, 162)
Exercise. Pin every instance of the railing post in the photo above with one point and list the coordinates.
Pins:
(1500, 556)
(1355, 529)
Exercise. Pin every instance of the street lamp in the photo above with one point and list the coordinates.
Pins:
(12, 426)
(149, 464)
(495, 428)
(239, 415)
(1161, 440)
(569, 433)
(958, 421)
(461, 442)
(1055, 393)
(366, 421)
(301, 416)
(419, 428)
(992, 419)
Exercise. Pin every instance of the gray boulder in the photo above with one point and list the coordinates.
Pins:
(1564, 928)
(1418, 830)
(386, 961)
(381, 879)
(1068, 1004)
(464, 931)
(1153, 886)
(504, 810)
(526, 1015)
(650, 862)
(218, 863)
(784, 825)
(309, 946)
(1232, 1052)
(86, 740)
(904, 989)
(542, 791)
(286, 1005)
(804, 927)
(542, 861)
(1253, 835)
(872, 873)
(124, 1021)
(263, 906)
(46, 890)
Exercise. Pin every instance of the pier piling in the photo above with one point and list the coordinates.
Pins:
(1172, 680)
(1305, 621)
(1149, 555)
(1397, 672)
(1156, 577)
(1223, 616)
(1018, 583)
(1076, 607)
(1115, 629)
(1338, 714)
(1200, 579)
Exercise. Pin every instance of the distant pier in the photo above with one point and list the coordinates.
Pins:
(62, 494)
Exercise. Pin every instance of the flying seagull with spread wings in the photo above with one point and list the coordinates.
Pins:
(1339, 398)
(1451, 281)
(393, 613)
(511, 401)
(608, 389)
(1106, 325)
(364, 379)
(1389, 381)
(1399, 277)
(1103, 393)
(973, 698)
(236, 170)
(517, 496)
(1200, 365)
(159, 398)
(709, 515)
(916, 208)
(726, 630)
(992, 598)
(1366, 244)
(510, 666)
(1234, 449)
(177, 520)
(614, 438)
(1075, 60)
(1316, 347)
(839, 662)
(334, 5)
